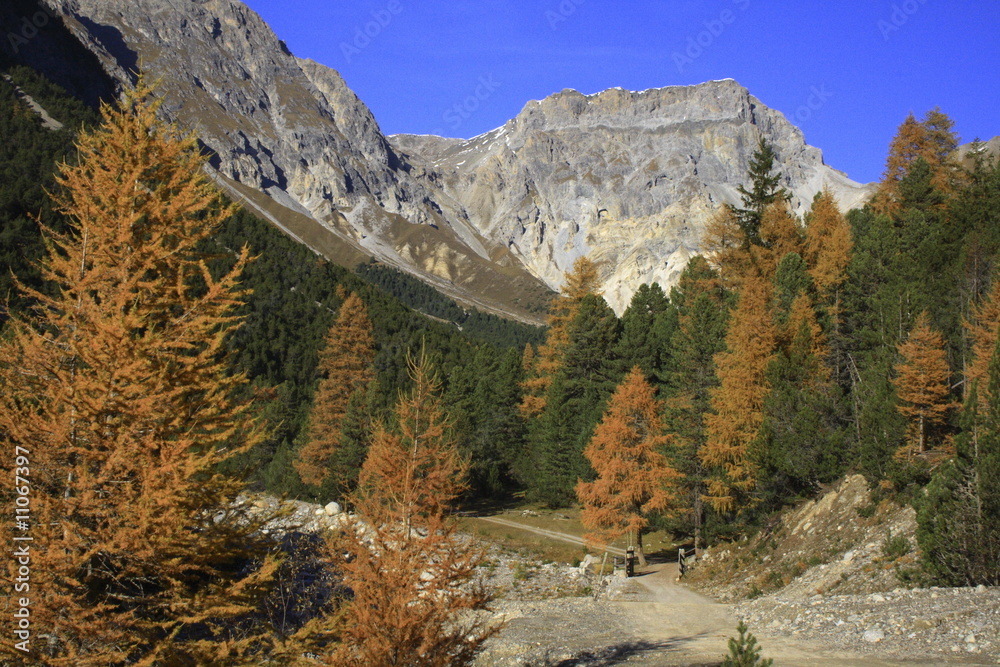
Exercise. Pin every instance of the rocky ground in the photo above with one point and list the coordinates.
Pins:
(945, 625)
(825, 586)
(839, 544)
(840, 571)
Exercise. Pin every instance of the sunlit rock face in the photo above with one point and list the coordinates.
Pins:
(628, 178)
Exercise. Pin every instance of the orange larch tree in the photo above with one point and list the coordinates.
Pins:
(727, 246)
(346, 368)
(533, 401)
(117, 390)
(828, 245)
(910, 143)
(634, 478)
(983, 327)
(736, 258)
(781, 233)
(410, 574)
(737, 403)
(931, 140)
(922, 381)
(578, 283)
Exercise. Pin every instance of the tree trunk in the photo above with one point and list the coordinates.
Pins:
(638, 548)
(921, 450)
(697, 525)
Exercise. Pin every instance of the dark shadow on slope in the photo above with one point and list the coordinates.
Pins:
(114, 43)
(620, 654)
(34, 37)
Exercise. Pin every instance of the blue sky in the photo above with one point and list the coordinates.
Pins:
(846, 72)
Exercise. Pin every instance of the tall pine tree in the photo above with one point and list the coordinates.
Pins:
(765, 189)
(958, 517)
(581, 281)
(702, 307)
(574, 403)
(738, 402)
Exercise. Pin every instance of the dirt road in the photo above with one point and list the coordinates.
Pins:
(647, 621)
(551, 534)
(693, 629)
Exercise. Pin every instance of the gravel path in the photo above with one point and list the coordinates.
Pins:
(651, 621)
(561, 616)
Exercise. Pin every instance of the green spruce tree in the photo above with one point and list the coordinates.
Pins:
(958, 516)
(647, 326)
(765, 189)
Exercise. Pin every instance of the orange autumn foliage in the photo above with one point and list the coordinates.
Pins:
(578, 283)
(922, 382)
(828, 245)
(932, 140)
(634, 478)
(738, 402)
(345, 365)
(802, 314)
(728, 248)
(781, 233)
(410, 574)
(983, 327)
(118, 390)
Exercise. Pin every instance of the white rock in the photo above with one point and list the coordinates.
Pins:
(587, 561)
(332, 509)
(873, 636)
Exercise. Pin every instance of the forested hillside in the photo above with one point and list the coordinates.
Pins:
(293, 294)
(165, 346)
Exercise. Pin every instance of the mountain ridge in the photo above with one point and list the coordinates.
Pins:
(656, 163)
(628, 177)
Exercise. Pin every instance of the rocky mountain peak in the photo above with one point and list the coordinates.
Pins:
(629, 178)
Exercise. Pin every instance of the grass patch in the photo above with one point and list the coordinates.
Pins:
(547, 549)
(540, 548)
(894, 548)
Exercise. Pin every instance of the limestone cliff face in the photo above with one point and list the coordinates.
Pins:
(629, 178)
(293, 129)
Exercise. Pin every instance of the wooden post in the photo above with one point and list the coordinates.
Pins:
(603, 561)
